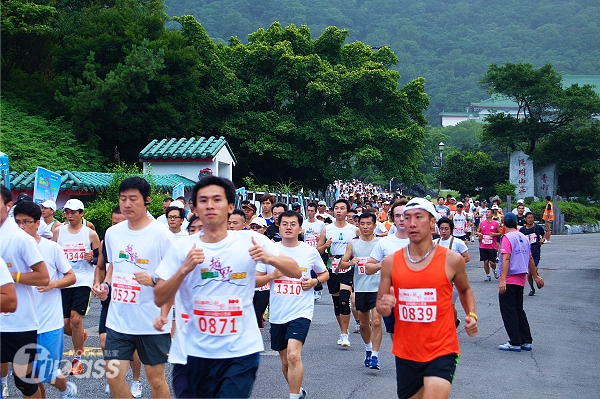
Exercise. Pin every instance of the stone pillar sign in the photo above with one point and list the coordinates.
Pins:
(521, 174)
(545, 181)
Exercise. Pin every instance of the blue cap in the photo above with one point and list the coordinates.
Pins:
(510, 216)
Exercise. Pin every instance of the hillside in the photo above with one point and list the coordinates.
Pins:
(448, 42)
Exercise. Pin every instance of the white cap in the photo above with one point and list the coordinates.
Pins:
(422, 203)
(520, 201)
(495, 206)
(259, 221)
(49, 204)
(176, 204)
(74, 204)
(459, 203)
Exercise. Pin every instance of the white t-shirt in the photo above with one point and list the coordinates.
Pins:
(49, 304)
(380, 229)
(5, 277)
(340, 237)
(460, 224)
(19, 250)
(218, 294)
(387, 246)
(458, 246)
(163, 220)
(288, 301)
(74, 247)
(312, 231)
(132, 309)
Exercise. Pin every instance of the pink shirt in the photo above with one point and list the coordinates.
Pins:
(514, 279)
(487, 241)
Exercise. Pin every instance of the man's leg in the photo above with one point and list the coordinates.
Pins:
(157, 381)
(76, 322)
(345, 291)
(136, 372)
(365, 327)
(116, 371)
(295, 368)
(434, 388)
(376, 330)
(524, 330)
(508, 311)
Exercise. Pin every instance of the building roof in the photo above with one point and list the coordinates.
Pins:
(194, 148)
(93, 182)
(496, 101)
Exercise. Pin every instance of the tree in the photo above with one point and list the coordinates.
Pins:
(471, 173)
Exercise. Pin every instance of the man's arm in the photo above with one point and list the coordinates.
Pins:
(460, 279)
(386, 300)
(37, 277)
(324, 243)
(372, 266)
(68, 279)
(534, 274)
(8, 298)
(164, 290)
(466, 256)
(285, 264)
(345, 262)
(263, 278)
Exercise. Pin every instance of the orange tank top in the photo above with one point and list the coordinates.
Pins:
(424, 328)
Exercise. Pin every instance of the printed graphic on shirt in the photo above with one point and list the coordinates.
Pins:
(130, 256)
(218, 272)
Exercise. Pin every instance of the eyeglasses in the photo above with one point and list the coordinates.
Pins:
(25, 222)
(459, 206)
(174, 217)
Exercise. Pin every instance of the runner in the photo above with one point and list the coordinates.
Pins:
(165, 204)
(365, 288)
(134, 322)
(237, 220)
(460, 223)
(48, 209)
(387, 246)
(215, 273)
(27, 269)
(516, 261)
(48, 304)
(535, 234)
(175, 217)
(487, 232)
(333, 239)
(311, 228)
(441, 208)
(273, 229)
(292, 304)
(417, 281)
(80, 245)
(266, 206)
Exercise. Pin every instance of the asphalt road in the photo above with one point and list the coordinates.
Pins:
(564, 319)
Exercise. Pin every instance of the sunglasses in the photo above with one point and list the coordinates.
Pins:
(255, 227)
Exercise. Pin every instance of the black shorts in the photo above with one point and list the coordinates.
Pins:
(152, 349)
(333, 284)
(365, 301)
(409, 374)
(261, 301)
(222, 378)
(488, 254)
(104, 313)
(75, 298)
(12, 342)
(179, 381)
(293, 329)
(463, 238)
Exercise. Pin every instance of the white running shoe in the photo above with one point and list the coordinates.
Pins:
(136, 389)
(70, 392)
(4, 390)
(345, 341)
(339, 342)
(107, 389)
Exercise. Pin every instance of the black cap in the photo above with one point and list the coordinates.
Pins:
(24, 197)
(296, 205)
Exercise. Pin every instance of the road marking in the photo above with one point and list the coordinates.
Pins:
(92, 352)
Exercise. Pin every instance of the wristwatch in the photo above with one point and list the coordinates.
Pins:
(155, 279)
(319, 284)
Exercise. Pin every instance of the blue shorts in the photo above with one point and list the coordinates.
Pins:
(293, 329)
(222, 378)
(50, 345)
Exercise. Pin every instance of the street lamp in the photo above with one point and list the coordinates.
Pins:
(441, 147)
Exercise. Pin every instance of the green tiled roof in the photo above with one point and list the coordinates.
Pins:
(194, 148)
(496, 101)
(93, 182)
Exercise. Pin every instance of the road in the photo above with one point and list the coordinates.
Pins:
(564, 320)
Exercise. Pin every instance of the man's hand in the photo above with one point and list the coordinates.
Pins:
(539, 281)
(502, 285)
(144, 278)
(387, 302)
(308, 283)
(51, 286)
(471, 326)
(100, 291)
(160, 322)
(193, 259)
(258, 253)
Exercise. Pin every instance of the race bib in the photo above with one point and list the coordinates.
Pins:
(74, 251)
(532, 238)
(288, 287)
(459, 231)
(362, 262)
(335, 263)
(487, 240)
(125, 289)
(219, 316)
(417, 305)
(265, 287)
(313, 241)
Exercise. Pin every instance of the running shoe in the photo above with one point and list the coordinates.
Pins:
(526, 347)
(368, 358)
(488, 278)
(374, 363)
(303, 393)
(4, 390)
(532, 292)
(70, 392)
(547, 242)
(496, 276)
(345, 341)
(76, 367)
(357, 329)
(136, 389)
(339, 341)
(107, 389)
(508, 347)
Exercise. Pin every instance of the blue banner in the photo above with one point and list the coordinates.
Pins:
(46, 186)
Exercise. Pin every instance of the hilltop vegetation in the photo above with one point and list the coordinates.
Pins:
(448, 42)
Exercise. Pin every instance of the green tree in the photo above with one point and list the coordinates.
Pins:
(471, 173)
